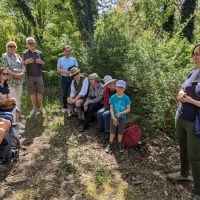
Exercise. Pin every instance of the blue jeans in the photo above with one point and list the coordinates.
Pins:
(8, 116)
(66, 83)
(103, 119)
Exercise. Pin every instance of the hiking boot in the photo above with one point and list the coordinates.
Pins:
(33, 111)
(79, 122)
(176, 177)
(197, 197)
(121, 147)
(98, 131)
(107, 136)
(108, 148)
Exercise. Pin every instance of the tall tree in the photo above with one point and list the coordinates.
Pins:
(187, 12)
(85, 12)
(168, 26)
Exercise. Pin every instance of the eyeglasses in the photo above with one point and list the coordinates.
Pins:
(31, 43)
(91, 79)
(67, 51)
(75, 74)
(5, 74)
(12, 46)
(195, 55)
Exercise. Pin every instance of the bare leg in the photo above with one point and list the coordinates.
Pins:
(119, 138)
(112, 136)
(33, 100)
(40, 99)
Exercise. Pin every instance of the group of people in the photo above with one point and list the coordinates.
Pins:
(88, 94)
(11, 82)
(112, 105)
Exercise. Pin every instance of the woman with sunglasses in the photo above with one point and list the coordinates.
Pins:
(5, 97)
(14, 64)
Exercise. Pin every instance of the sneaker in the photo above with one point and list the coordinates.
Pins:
(176, 177)
(121, 147)
(20, 125)
(33, 111)
(42, 110)
(197, 197)
(64, 110)
(108, 148)
(17, 132)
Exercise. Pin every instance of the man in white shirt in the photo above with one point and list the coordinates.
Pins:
(78, 94)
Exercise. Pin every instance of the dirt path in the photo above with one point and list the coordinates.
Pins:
(58, 162)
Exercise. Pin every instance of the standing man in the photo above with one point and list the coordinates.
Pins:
(64, 65)
(34, 61)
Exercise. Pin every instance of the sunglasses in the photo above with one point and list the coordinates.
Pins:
(12, 46)
(31, 43)
(75, 74)
(5, 74)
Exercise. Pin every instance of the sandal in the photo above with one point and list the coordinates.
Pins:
(2, 168)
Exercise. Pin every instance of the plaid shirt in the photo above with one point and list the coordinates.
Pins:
(95, 94)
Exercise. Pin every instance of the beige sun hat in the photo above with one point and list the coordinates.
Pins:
(108, 79)
(74, 70)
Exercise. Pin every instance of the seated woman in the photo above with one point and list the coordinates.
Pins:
(7, 102)
(103, 115)
(94, 100)
(4, 127)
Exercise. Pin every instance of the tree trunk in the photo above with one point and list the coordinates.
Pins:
(187, 11)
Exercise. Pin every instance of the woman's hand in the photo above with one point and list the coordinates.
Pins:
(20, 75)
(115, 122)
(188, 99)
(181, 96)
(12, 99)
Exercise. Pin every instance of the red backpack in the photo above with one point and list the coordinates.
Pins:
(132, 135)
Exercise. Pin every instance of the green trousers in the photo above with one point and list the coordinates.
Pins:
(189, 150)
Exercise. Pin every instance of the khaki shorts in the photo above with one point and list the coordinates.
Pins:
(35, 85)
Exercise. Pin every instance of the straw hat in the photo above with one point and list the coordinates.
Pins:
(74, 70)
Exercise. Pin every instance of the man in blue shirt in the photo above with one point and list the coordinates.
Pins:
(64, 65)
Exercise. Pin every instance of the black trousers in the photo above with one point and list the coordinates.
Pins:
(90, 112)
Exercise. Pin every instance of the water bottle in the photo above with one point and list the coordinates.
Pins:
(9, 156)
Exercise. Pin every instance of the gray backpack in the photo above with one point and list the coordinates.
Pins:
(9, 148)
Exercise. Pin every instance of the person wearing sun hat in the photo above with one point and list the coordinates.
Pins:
(119, 107)
(78, 94)
(103, 115)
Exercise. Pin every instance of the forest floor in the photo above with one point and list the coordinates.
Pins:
(59, 162)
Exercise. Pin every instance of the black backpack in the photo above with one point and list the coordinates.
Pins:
(9, 148)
